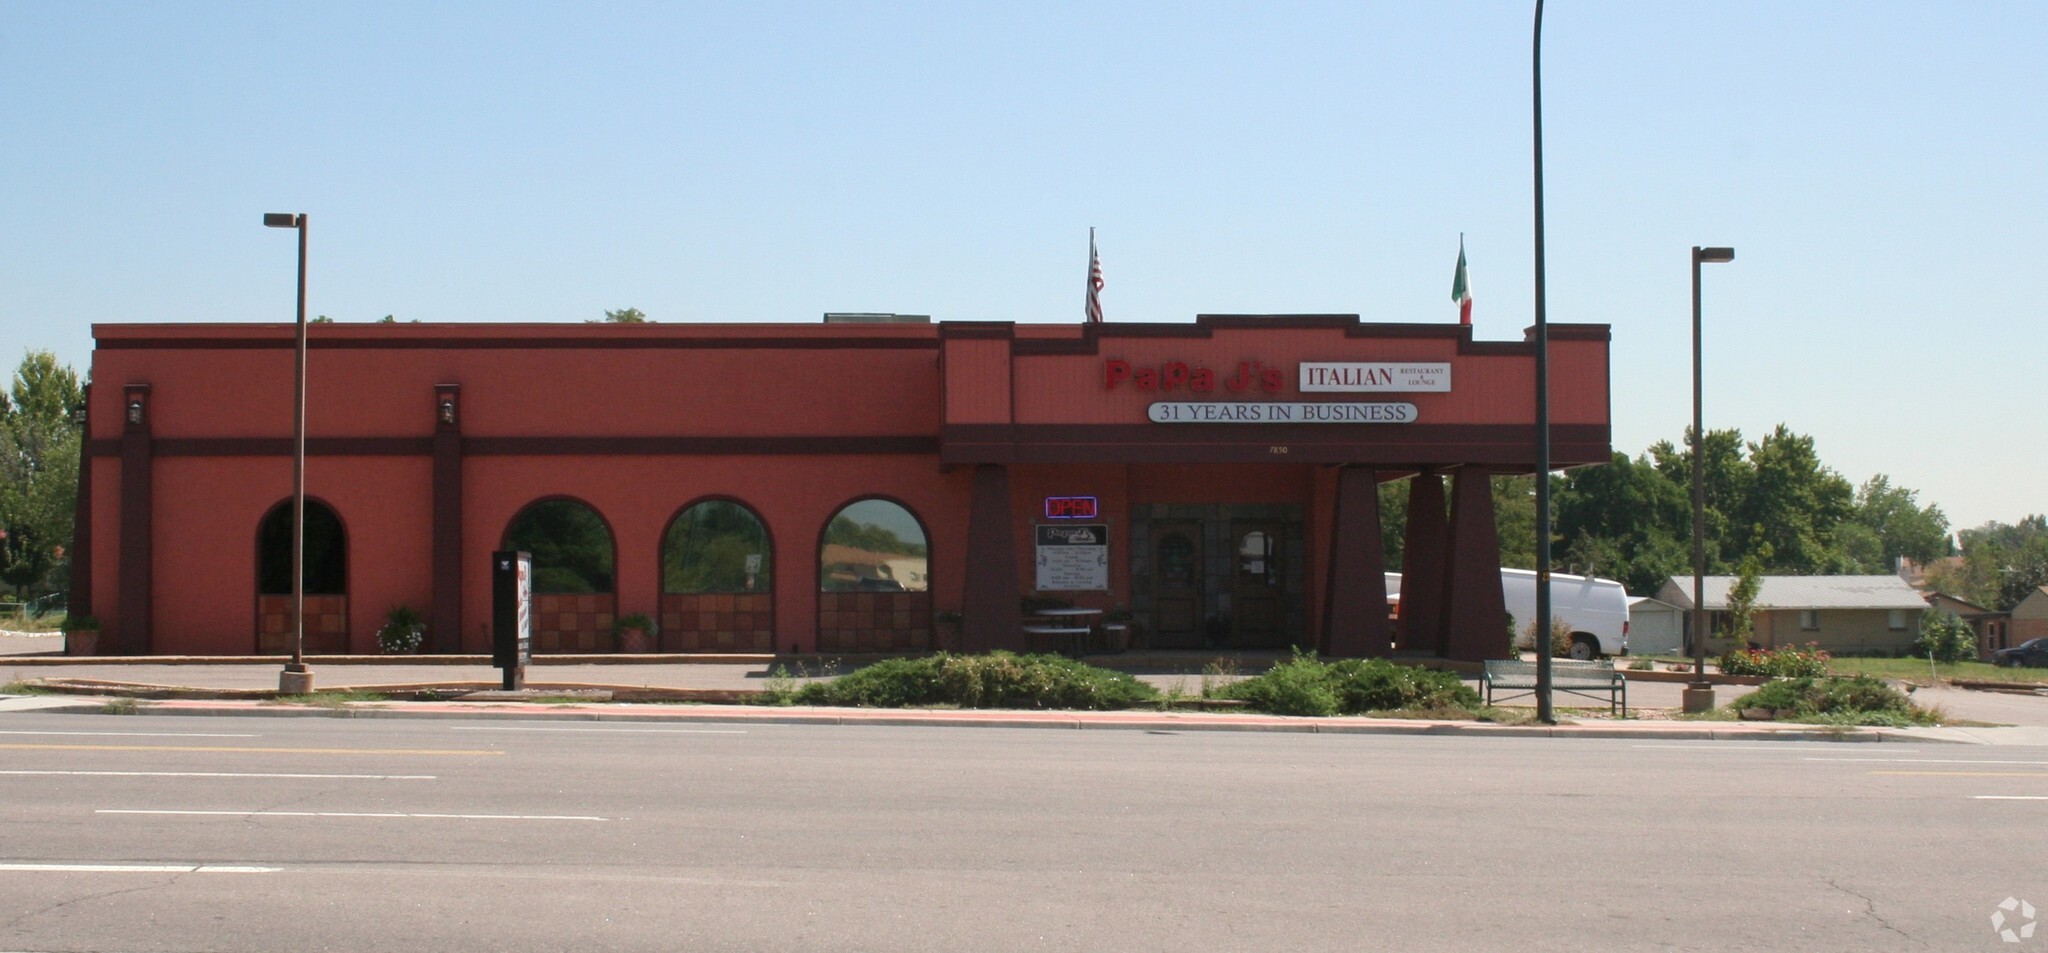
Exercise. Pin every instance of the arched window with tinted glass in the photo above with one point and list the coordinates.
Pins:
(874, 580)
(573, 558)
(325, 581)
(717, 581)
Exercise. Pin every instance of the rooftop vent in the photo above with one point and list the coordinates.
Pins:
(874, 317)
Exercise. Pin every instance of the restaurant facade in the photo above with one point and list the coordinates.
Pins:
(827, 488)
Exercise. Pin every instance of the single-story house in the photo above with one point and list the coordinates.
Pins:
(2030, 617)
(1989, 624)
(1846, 615)
(1655, 627)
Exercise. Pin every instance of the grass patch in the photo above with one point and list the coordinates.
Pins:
(996, 680)
(330, 699)
(120, 706)
(1305, 685)
(20, 687)
(1917, 671)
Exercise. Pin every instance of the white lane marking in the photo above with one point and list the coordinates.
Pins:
(1788, 747)
(2010, 797)
(232, 774)
(141, 868)
(136, 734)
(1925, 761)
(461, 817)
(622, 731)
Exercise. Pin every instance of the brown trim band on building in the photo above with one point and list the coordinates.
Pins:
(531, 446)
(1397, 446)
(518, 344)
(1206, 326)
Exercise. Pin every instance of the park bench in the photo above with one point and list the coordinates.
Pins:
(1584, 679)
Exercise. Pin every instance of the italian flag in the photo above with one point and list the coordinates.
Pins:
(1461, 289)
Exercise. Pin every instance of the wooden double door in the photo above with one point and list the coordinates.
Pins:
(1233, 603)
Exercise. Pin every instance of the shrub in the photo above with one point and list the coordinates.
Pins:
(1945, 637)
(1809, 662)
(1859, 699)
(403, 631)
(996, 680)
(1560, 637)
(1305, 685)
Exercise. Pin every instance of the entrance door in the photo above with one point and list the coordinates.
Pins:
(1177, 585)
(1258, 616)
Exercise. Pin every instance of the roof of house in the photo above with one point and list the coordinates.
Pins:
(1802, 592)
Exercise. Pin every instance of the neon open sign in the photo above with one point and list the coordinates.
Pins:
(1070, 508)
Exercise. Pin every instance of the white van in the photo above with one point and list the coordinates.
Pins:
(1596, 609)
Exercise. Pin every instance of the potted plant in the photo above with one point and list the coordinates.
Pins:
(403, 631)
(81, 635)
(635, 634)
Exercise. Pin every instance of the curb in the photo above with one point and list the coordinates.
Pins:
(1092, 721)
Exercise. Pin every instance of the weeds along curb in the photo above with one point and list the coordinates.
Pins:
(1053, 720)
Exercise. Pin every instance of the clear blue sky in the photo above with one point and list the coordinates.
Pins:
(1880, 167)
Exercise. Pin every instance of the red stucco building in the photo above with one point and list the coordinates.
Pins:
(817, 488)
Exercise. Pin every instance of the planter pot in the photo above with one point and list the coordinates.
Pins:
(82, 642)
(634, 642)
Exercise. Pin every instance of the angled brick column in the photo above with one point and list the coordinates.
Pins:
(1355, 625)
(1478, 614)
(1425, 560)
(444, 620)
(137, 565)
(992, 616)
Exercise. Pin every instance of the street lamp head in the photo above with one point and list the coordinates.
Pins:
(1712, 254)
(280, 220)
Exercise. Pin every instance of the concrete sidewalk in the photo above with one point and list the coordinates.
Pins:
(250, 680)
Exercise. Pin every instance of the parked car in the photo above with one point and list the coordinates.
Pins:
(2032, 653)
(1596, 609)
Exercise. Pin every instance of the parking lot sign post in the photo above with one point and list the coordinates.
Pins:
(512, 615)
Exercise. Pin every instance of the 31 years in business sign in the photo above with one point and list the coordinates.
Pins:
(1252, 378)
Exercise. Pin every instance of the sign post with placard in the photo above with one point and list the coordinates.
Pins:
(512, 615)
(1073, 557)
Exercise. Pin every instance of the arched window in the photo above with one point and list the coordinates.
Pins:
(326, 551)
(573, 602)
(873, 546)
(715, 546)
(874, 580)
(571, 547)
(325, 562)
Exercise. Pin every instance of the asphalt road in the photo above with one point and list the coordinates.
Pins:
(318, 834)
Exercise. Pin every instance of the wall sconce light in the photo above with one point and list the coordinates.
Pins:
(448, 411)
(135, 411)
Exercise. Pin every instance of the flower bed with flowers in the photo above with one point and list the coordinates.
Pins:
(1808, 662)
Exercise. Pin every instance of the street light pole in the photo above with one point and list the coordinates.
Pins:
(296, 679)
(1699, 696)
(1545, 713)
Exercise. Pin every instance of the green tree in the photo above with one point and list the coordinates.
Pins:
(39, 444)
(1794, 505)
(1901, 526)
(1741, 624)
(622, 316)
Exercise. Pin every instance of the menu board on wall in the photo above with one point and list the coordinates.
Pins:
(1073, 558)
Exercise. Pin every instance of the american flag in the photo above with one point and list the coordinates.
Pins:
(1094, 282)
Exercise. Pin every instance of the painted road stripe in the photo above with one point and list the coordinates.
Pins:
(460, 817)
(206, 748)
(1926, 760)
(140, 868)
(137, 734)
(233, 774)
(2010, 797)
(1788, 747)
(622, 731)
(1964, 774)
